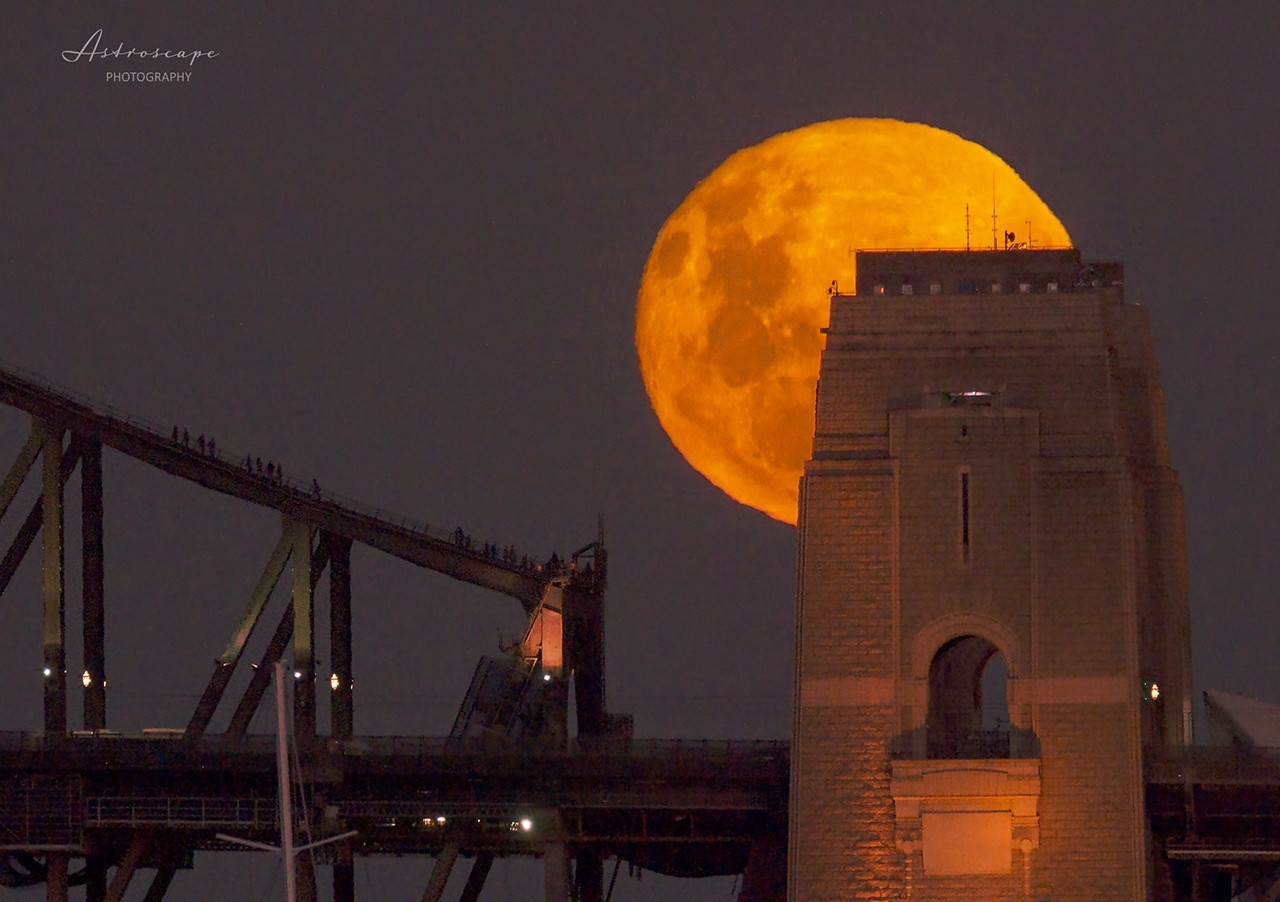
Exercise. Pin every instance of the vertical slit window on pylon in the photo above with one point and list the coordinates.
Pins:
(966, 521)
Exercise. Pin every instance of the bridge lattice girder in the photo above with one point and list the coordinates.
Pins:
(318, 531)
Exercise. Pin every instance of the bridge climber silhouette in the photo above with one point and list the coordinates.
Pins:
(510, 779)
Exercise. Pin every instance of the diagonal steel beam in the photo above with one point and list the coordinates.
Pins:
(261, 680)
(124, 873)
(160, 882)
(21, 543)
(21, 467)
(266, 583)
(225, 666)
(440, 873)
(31, 526)
(475, 880)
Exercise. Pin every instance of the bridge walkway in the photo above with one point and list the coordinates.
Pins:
(215, 467)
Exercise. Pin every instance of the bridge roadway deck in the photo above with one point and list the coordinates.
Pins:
(1216, 804)
(677, 807)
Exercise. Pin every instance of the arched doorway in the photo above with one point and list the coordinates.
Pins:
(968, 700)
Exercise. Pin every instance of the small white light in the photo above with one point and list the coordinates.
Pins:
(297, 674)
(334, 683)
(85, 679)
(440, 821)
(525, 824)
(546, 678)
(48, 672)
(1155, 692)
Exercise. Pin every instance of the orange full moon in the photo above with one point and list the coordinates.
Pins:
(734, 293)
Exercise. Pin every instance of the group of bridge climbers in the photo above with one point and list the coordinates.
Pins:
(490, 550)
(272, 472)
(508, 555)
(209, 447)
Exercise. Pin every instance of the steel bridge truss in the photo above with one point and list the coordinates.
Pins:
(520, 702)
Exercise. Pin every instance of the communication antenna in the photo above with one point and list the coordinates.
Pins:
(994, 245)
(1028, 234)
(966, 225)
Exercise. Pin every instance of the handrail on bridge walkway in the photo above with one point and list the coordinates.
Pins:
(222, 468)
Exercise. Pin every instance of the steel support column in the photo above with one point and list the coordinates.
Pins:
(95, 879)
(341, 712)
(588, 876)
(55, 613)
(299, 536)
(555, 858)
(55, 881)
(584, 654)
(95, 691)
(344, 873)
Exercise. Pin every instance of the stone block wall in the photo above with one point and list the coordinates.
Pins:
(991, 465)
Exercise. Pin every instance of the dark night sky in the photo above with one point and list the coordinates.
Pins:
(400, 252)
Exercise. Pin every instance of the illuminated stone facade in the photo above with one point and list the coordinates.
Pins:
(990, 492)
